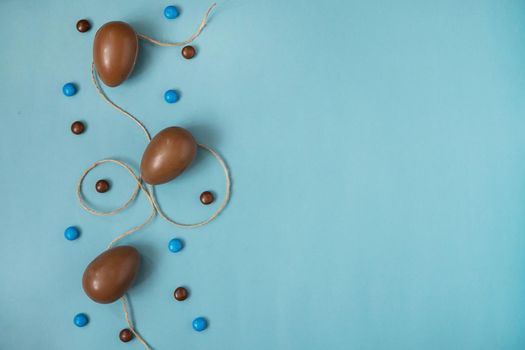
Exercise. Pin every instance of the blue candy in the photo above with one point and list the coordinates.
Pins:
(71, 233)
(171, 12)
(81, 320)
(175, 245)
(171, 96)
(69, 89)
(199, 324)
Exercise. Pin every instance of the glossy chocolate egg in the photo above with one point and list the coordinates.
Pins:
(168, 154)
(115, 51)
(111, 274)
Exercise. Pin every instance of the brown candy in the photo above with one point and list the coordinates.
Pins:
(102, 186)
(180, 293)
(125, 335)
(188, 52)
(115, 51)
(207, 197)
(77, 127)
(111, 274)
(83, 25)
(168, 154)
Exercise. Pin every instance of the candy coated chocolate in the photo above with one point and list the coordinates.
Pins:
(115, 52)
(171, 96)
(102, 186)
(180, 293)
(188, 52)
(125, 335)
(168, 154)
(69, 89)
(111, 274)
(171, 12)
(83, 25)
(71, 233)
(81, 320)
(175, 245)
(200, 324)
(207, 197)
(77, 127)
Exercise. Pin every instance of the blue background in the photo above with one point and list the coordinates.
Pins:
(377, 155)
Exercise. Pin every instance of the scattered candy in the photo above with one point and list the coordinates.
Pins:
(188, 52)
(102, 186)
(77, 127)
(83, 25)
(126, 335)
(109, 276)
(207, 197)
(199, 324)
(171, 12)
(69, 89)
(81, 320)
(71, 233)
(180, 293)
(171, 96)
(175, 245)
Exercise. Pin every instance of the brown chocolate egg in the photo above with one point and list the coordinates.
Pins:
(115, 52)
(168, 154)
(111, 274)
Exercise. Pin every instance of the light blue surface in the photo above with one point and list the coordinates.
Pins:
(377, 151)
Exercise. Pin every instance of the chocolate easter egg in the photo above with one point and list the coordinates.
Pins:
(111, 274)
(115, 52)
(168, 154)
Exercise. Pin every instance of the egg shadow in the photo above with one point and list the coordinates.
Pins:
(145, 53)
(203, 133)
(206, 135)
(148, 254)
